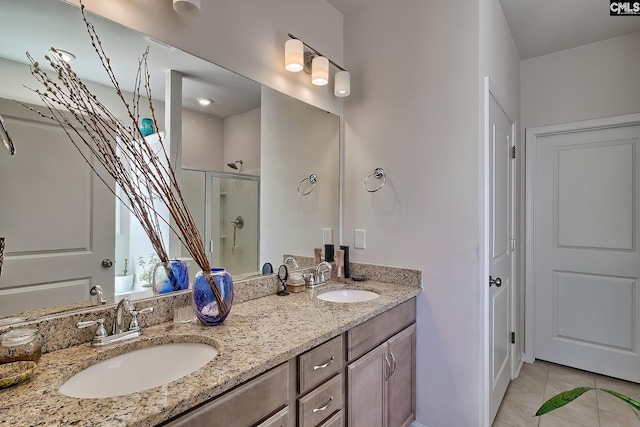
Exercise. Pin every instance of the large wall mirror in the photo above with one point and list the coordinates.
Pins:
(242, 161)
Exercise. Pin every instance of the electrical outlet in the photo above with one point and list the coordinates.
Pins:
(360, 239)
(327, 236)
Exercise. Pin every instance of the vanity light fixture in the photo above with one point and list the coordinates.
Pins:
(293, 55)
(66, 56)
(188, 8)
(205, 101)
(311, 61)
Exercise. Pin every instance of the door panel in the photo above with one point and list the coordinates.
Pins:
(402, 382)
(584, 299)
(367, 385)
(51, 258)
(500, 193)
(587, 264)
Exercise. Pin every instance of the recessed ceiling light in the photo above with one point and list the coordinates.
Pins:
(205, 101)
(64, 55)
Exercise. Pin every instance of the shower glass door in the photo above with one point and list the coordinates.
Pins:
(226, 208)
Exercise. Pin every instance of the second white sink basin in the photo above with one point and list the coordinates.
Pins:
(348, 295)
(139, 370)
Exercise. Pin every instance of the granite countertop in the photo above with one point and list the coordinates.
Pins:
(258, 335)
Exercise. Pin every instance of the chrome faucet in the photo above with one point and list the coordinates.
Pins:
(292, 260)
(321, 269)
(96, 290)
(319, 278)
(118, 331)
(124, 305)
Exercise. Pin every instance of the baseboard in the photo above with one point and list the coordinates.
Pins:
(417, 424)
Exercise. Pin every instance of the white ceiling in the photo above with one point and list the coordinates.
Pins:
(540, 27)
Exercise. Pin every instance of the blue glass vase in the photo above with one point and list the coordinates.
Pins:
(170, 278)
(204, 302)
(146, 127)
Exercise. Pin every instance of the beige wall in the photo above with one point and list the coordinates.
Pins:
(242, 141)
(413, 111)
(597, 80)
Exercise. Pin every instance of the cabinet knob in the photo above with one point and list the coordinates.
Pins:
(497, 281)
(107, 263)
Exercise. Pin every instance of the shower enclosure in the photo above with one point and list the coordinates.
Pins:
(225, 206)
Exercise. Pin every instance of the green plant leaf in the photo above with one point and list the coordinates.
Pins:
(561, 399)
(629, 401)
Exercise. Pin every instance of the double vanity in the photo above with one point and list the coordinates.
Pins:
(277, 361)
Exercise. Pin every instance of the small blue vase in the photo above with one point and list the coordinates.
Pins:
(174, 277)
(146, 127)
(204, 302)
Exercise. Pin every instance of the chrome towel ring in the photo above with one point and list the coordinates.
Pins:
(313, 178)
(378, 173)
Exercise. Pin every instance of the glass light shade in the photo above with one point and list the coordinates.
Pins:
(342, 85)
(293, 55)
(190, 8)
(320, 71)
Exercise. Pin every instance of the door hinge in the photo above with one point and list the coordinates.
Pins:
(513, 244)
(513, 337)
(513, 152)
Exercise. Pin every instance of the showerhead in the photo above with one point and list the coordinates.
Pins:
(234, 165)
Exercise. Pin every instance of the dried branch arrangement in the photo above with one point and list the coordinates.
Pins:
(146, 177)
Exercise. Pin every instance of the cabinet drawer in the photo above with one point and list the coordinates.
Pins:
(318, 405)
(335, 421)
(281, 419)
(244, 406)
(371, 333)
(319, 364)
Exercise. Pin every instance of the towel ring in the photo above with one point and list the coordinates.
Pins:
(378, 173)
(313, 178)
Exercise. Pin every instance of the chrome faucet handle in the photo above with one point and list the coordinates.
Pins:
(134, 325)
(101, 332)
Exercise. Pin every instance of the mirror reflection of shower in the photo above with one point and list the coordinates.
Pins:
(234, 165)
(225, 206)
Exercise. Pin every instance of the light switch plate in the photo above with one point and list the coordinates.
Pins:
(360, 239)
(327, 236)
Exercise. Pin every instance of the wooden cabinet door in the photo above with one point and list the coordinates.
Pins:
(367, 385)
(402, 381)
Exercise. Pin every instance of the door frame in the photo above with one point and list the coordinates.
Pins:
(483, 274)
(530, 178)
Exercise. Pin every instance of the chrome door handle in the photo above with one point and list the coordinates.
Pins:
(324, 365)
(386, 359)
(393, 361)
(497, 281)
(323, 408)
(107, 263)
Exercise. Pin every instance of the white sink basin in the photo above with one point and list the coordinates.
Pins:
(139, 370)
(348, 295)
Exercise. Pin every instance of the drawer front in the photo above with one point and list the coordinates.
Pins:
(319, 364)
(281, 419)
(318, 405)
(335, 421)
(375, 331)
(244, 406)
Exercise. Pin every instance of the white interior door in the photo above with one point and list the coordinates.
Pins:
(500, 253)
(57, 217)
(586, 264)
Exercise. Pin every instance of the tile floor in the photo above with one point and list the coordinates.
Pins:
(541, 380)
